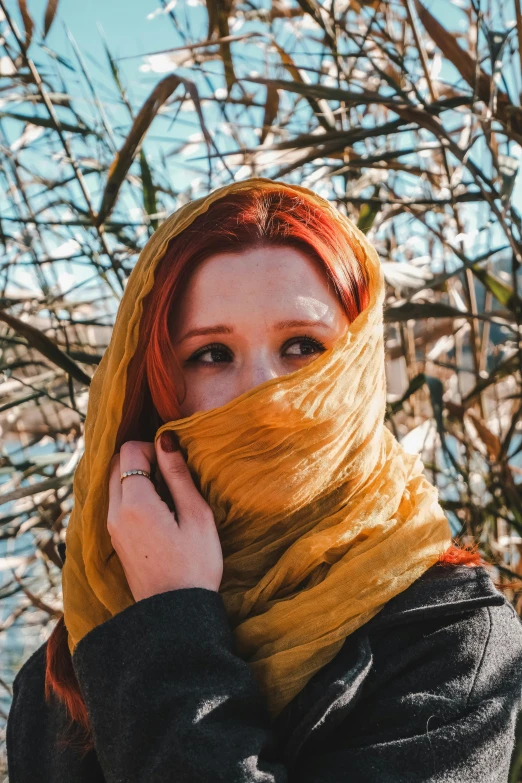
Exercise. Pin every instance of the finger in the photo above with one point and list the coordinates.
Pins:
(188, 501)
(115, 488)
(162, 490)
(136, 455)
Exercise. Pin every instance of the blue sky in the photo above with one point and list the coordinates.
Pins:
(124, 22)
(137, 27)
(133, 27)
(125, 25)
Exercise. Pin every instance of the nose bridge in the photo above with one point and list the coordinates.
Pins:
(260, 364)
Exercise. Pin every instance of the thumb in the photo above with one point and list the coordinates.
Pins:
(169, 441)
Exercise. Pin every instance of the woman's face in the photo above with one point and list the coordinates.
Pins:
(249, 317)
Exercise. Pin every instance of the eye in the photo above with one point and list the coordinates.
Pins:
(220, 354)
(214, 349)
(310, 342)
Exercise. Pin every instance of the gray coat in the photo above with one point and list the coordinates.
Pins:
(428, 691)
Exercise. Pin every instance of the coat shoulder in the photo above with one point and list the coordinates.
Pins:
(458, 616)
(442, 591)
(442, 692)
(454, 633)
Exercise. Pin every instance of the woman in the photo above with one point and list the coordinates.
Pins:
(272, 594)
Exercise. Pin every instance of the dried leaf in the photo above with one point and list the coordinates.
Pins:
(271, 108)
(368, 212)
(510, 115)
(47, 122)
(321, 108)
(313, 8)
(312, 90)
(218, 16)
(124, 158)
(149, 191)
(505, 368)
(490, 440)
(502, 292)
(45, 346)
(28, 22)
(447, 43)
(50, 13)
(421, 310)
(406, 276)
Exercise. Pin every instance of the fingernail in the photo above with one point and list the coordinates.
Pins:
(169, 441)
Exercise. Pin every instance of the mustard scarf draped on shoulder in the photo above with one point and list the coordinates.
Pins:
(322, 515)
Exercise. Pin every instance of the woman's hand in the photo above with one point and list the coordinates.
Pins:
(161, 550)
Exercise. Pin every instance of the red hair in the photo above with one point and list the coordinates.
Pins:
(234, 223)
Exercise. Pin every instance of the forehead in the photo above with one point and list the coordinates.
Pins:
(264, 286)
(258, 270)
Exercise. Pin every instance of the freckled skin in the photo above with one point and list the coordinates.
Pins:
(250, 293)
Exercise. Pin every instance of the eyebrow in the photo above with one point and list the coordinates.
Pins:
(224, 329)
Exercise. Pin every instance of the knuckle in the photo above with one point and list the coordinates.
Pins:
(131, 447)
(128, 447)
(202, 513)
(192, 512)
(134, 510)
(130, 510)
(207, 515)
(178, 467)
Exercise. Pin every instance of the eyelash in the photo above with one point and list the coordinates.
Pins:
(220, 347)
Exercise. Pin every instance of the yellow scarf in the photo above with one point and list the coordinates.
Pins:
(322, 516)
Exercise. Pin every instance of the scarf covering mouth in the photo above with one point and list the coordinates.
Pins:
(322, 515)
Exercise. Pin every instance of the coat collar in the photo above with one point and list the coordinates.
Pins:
(441, 590)
(333, 691)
